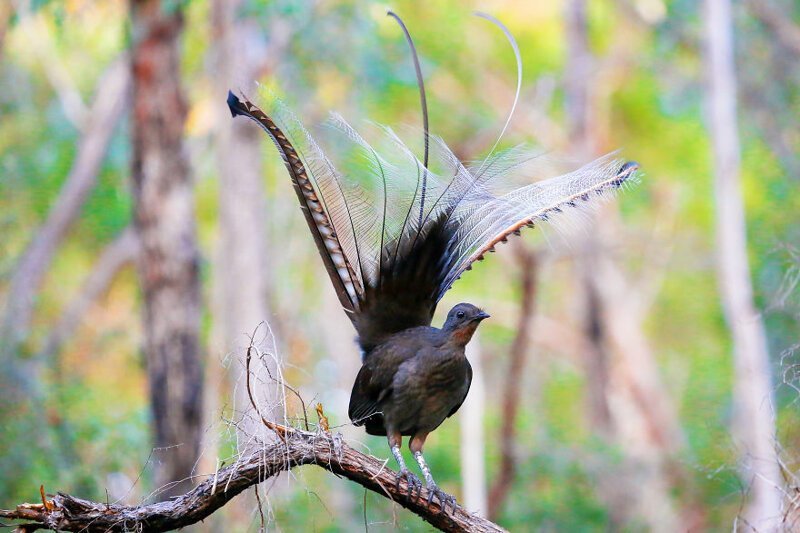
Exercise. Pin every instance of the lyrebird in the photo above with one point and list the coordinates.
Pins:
(395, 233)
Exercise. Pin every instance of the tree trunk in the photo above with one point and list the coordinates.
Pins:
(512, 387)
(168, 261)
(629, 404)
(754, 415)
(240, 273)
(578, 112)
(473, 438)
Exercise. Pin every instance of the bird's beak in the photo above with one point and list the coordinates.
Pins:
(482, 315)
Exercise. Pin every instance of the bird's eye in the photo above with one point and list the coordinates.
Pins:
(460, 314)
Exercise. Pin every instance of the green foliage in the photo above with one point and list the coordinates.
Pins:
(347, 56)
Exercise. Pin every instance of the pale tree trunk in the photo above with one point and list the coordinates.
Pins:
(576, 100)
(240, 270)
(473, 438)
(577, 74)
(754, 415)
(628, 403)
(512, 386)
(168, 261)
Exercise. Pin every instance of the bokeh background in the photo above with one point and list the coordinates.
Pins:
(606, 393)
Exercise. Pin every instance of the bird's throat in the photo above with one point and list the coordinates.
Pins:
(462, 335)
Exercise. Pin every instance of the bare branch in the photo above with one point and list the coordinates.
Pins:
(781, 25)
(108, 109)
(68, 513)
(120, 252)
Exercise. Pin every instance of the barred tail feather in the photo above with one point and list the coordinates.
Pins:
(336, 262)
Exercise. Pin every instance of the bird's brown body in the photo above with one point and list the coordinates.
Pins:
(412, 382)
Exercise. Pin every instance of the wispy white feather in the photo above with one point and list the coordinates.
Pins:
(372, 196)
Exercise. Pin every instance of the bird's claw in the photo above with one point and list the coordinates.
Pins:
(412, 481)
(444, 498)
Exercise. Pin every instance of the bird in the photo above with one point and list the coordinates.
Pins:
(409, 384)
(395, 233)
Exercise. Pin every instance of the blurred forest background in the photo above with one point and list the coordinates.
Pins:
(635, 375)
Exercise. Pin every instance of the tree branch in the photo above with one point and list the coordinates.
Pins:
(68, 513)
(781, 25)
(113, 258)
(106, 112)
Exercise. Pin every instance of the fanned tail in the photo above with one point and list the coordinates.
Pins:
(394, 232)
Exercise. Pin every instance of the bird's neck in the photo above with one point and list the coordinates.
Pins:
(461, 336)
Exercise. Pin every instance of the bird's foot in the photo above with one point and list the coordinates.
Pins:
(444, 498)
(412, 481)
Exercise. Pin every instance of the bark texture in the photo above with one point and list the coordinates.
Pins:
(754, 414)
(168, 261)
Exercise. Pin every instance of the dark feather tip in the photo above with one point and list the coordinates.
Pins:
(625, 172)
(234, 104)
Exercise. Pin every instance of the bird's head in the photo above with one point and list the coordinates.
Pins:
(462, 321)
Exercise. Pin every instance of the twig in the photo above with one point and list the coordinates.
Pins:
(323, 420)
(260, 509)
(69, 513)
(284, 384)
(280, 429)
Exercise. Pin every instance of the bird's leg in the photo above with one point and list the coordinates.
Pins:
(433, 489)
(413, 482)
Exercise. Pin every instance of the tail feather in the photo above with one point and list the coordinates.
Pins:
(316, 214)
(395, 232)
(389, 269)
(495, 221)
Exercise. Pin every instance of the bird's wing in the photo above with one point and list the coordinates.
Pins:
(374, 381)
(469, 383)
(364, 397)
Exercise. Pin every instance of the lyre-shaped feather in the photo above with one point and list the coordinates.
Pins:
(395, 232)
(391, 258)
(312, 202)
